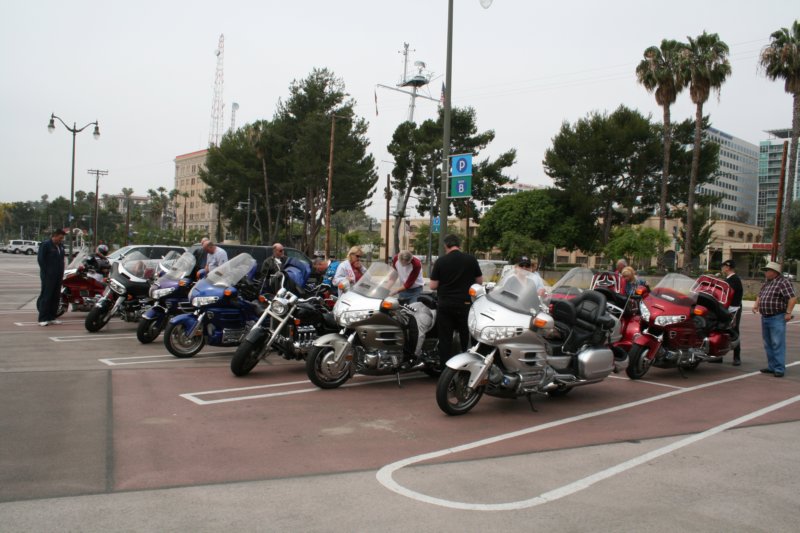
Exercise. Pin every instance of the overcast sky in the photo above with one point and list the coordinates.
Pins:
(146, 70)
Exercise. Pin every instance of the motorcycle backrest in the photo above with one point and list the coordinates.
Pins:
(717, 288)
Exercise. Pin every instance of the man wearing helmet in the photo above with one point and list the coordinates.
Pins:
(99, 263)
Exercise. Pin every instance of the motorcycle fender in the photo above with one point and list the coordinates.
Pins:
(154, 313)
(331, 339)
(649, 342)
(256, 334)
(189, 321)
(476, 365)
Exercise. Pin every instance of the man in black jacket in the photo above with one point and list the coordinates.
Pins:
(51, 272)
(729, 271)
(451, 277)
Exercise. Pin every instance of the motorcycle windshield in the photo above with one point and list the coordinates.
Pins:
(488, 270)
(78, 260)
(180, 266)
(518, 291)
(676, 289)
(572, 283)
(139, 265)
(229, 273)
(378, 281)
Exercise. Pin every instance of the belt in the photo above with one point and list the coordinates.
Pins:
(772, 315)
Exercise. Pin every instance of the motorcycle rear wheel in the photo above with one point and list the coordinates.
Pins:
(149, 329)
(98, 317)
(638, 362)
(178, 344)
(452, 394)
(245, 359)
(319, 368)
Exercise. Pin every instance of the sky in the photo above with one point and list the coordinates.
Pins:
(145, 70)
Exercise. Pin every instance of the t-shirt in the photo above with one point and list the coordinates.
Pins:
(214, 260)
(411, 274)
(455, 272)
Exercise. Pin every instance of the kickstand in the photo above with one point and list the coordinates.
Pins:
(398, 380)
(530, 401)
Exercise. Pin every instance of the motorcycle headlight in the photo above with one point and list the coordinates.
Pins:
(279, 306)
(201, 301)
(645, 312)
(117, 287)
(348, 317)
(160, 293)
(496, 333)
(666, 320)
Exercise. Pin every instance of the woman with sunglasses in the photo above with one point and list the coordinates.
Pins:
(350, 269)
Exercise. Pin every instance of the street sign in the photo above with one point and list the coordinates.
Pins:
(461, 165)
(460, 187)
(436, 225)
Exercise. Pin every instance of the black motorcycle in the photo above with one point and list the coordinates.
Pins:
(290, 324)
(127, 293)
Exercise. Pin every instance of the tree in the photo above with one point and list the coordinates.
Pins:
(636, 243)
(703, 235)
(781, 59)
(705, 67)
(658, 72)
(417, 154)
(537, 217)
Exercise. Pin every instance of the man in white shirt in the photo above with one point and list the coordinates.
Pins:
(409, 273)
(216, 255)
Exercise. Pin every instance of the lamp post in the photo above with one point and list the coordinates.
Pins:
(330, 189)
(51, 127)
(247, 226)
(448, 88)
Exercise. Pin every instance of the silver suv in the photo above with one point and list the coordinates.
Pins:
(19, 246)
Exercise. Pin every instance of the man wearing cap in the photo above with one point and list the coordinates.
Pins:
(524, 262)
(775, 302)
(729, 271)
(51, 272)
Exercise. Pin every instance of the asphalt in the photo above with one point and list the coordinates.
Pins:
(100, 433)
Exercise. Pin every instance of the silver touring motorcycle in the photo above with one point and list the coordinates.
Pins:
(522, 349)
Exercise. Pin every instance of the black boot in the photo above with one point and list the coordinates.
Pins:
(736, 360)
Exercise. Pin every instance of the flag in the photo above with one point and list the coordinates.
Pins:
(376, 102)
(441, 98)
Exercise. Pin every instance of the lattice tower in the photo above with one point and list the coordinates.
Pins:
(215, 132)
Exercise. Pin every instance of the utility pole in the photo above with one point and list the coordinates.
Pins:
(444, 208)
(97, 174)
(388, 194)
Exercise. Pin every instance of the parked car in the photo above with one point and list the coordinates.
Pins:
(19, 246)
(154, 251)
(790, 277)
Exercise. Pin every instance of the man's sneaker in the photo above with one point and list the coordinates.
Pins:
(56, 321)
(44, 323)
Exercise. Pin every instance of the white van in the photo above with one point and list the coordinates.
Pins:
(22, 247)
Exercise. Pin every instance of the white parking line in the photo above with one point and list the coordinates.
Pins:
(93, 337)
(626, 378)
(23, 324)
(194, 396)
(161, 358)
(384, 475)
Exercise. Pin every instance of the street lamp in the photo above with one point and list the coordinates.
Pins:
(330, 189)
(51, 127)
(239, 208)
(448, 88)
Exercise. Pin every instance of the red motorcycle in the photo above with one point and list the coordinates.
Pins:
(683, 322)
(83, 283)
(625, 308)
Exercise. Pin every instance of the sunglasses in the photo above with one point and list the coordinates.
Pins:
(358, 256)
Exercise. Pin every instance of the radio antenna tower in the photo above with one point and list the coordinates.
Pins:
(415, 81)
(215, 133)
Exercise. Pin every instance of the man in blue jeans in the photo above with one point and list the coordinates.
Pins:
(775, 302)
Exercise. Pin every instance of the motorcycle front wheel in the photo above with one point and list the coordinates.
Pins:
(63, 305)
(246, 358)
(149, 329)
(638, 362)
(181, 345)
(453, 395)
(98, 317)
(322, 371)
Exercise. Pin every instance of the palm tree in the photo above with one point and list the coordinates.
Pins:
(658, 72)
(705, 67)
(781, 59)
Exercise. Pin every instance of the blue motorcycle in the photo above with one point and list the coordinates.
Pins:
(170, 293)
(223, 311)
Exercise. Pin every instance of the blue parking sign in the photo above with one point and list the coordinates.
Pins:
(460, 165)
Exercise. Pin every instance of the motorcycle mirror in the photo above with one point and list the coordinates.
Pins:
(476, 291)
(390, 304)
(344, 285)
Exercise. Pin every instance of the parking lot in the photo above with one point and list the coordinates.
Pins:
(101, 433)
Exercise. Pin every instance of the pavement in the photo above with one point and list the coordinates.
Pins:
(102, 433)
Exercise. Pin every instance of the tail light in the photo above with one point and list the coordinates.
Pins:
(699, 310)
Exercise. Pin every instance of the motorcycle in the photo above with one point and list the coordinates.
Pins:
(522, 349)
(378, 336)
(684, 322)
(625, 308)
(170, 295)
(289, 323)
(223, 311)
(126, 295)
(83, 283)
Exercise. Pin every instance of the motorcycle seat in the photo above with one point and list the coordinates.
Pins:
(718, 312)
(584, 317)
(428, 300)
